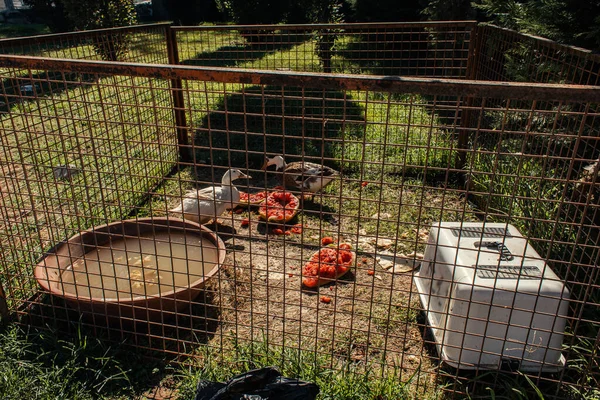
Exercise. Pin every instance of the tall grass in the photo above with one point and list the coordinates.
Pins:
(41, 364)
(337, 380)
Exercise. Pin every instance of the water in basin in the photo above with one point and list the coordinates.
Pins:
(142, 266)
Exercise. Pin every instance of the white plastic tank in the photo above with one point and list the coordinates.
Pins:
(491, 301)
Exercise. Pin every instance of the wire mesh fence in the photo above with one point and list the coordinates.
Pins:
(102, 143)
(435, 49)
(506, 55)
(142, 44)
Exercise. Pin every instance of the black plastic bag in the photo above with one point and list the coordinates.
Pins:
(259, 384)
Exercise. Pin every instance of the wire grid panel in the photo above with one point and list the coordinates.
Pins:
(395, 150)
(505, 55)
(143, 44)
(78, 151)
(423, 49)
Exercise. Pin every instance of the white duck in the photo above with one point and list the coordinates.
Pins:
(206, 204)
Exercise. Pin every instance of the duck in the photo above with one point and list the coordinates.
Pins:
(207, 204)
(303, 175)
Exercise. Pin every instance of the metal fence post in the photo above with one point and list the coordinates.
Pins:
(3, 304)
(178, 99)
(471, 73)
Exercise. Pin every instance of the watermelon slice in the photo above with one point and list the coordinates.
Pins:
(327, 265)
(279, 207)
(252, 198)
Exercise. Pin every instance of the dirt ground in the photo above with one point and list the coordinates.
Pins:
(368, 316)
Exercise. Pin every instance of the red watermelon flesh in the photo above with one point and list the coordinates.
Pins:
(327, 265)
(280, 206)
(252, 198)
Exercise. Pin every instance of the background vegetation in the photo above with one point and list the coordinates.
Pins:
(575, 22)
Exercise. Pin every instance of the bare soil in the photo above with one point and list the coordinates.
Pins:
(368, 316)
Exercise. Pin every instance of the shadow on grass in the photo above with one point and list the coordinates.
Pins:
(50, 83)
(114, 355)
(232, 55)
(409, 53)
(265, 121)
(46, 363)
(386, 58)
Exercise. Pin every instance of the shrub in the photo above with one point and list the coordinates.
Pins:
(90, 14)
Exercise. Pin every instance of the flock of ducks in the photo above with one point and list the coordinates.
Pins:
(208, 204)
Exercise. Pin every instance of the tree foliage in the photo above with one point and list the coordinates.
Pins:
(386, 10)
(50, 12)
(187, 12)
(64, 15)
(448, 10)
(67, 15)
(246, 12)
(575, 22)
(93, 14)
(569, 21)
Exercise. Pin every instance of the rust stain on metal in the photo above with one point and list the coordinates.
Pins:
(393, 84)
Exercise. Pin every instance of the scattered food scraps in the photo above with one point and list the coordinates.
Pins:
(245, 222)
(397, 263)
(381, 216)
(277, 231)
(365, 183)
(327, 240)
(422, 234)
(382, 243)
(371, 272)
(326, 299)
(414, 254)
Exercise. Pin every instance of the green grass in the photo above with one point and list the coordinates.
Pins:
(336, 380)
(391, 207)
(43, 364)
(17, 30)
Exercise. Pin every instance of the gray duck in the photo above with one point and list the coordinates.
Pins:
(303, 175)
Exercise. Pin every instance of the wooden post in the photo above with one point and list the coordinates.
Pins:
(178, 99)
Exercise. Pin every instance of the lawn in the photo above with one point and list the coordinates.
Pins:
(117, 132)
(18, 30)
